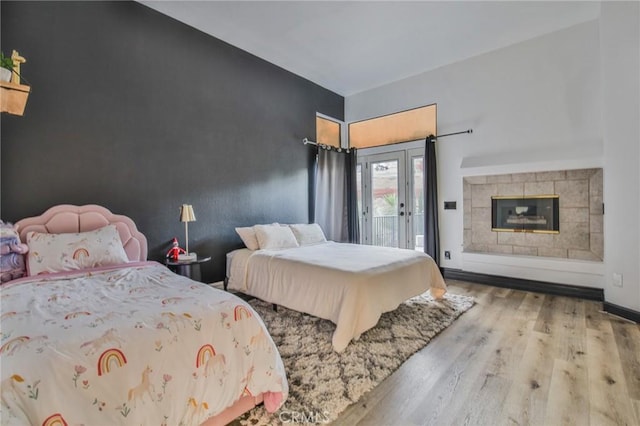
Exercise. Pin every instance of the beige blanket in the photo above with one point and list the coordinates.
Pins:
(348, 284)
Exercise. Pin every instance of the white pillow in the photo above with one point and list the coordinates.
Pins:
(308, 233)
(50, 253)
(248, 236)
(275, 237)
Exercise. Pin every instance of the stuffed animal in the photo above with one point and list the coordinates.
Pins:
(12, 253)
(175, 250)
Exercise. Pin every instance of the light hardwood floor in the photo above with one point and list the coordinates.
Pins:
(516, 358)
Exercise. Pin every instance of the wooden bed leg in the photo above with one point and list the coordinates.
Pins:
(275, 307)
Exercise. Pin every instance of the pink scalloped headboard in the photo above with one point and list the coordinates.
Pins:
(67, 218)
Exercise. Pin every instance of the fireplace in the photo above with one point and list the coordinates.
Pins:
(579, 215)
(537, 214)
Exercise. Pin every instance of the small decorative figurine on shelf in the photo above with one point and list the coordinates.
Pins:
(17, 60)
(175, 250)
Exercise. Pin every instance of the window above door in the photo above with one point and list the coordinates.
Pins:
(328, 131)
(404, 126)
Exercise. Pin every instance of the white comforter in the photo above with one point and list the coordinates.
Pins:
(349, 284)
(135, 345)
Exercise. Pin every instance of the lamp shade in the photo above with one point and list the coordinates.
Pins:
(186, 216)
(186, 213)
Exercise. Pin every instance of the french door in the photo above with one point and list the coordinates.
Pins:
(391, 198)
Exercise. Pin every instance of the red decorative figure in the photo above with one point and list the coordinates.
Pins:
(175, 250)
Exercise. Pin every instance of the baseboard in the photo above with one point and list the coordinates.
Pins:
(526, 285)
(621, 311)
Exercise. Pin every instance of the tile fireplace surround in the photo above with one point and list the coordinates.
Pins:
(580, 200)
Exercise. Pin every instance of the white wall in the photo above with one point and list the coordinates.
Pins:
(533, 106)
(620, 47)
(567, 100)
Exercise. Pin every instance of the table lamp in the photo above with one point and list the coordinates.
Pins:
(186, 216)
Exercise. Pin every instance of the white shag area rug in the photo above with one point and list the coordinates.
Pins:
(323, 383)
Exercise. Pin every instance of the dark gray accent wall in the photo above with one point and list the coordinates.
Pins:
(139, 113)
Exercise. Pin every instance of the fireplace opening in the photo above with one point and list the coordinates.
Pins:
(538, 214)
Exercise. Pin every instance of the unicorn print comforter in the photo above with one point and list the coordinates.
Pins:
(134, 344)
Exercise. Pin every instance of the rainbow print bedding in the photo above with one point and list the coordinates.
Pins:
(134, 344)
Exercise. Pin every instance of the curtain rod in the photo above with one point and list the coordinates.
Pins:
(434, 138)
(306, 141)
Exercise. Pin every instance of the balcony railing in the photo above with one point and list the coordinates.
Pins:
(385, 230)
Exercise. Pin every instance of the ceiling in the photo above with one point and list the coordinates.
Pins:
(352, 46)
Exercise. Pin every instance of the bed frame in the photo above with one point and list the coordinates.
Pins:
(68, 218)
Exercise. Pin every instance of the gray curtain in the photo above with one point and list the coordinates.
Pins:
(432, 234)
(335, 192)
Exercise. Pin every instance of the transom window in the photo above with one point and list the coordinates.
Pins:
(328, 131)
(404, 126)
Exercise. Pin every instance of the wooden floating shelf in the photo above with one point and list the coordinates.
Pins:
(13, 97)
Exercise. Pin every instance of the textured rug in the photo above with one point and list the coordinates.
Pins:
(322, 383)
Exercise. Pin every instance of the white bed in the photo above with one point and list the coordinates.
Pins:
(351, 285)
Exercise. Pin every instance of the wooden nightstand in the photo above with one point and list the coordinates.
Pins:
(188, 268)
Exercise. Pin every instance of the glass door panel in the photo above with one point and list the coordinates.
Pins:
(387, 205)
(384, 190)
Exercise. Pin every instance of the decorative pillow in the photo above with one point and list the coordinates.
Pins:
(308, 233)
(275, 236)
(11, 253)
(248, 236)
(67, 252)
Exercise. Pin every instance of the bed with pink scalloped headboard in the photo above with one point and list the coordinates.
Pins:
(67, 218)
(120, 320)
